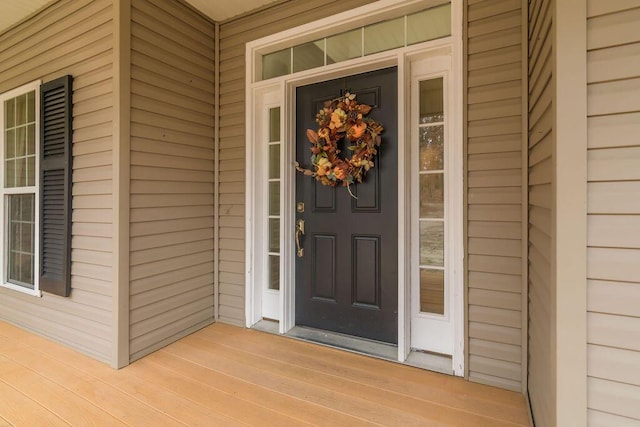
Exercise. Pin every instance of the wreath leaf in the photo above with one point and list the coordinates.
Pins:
(312, 136)
(364, 109)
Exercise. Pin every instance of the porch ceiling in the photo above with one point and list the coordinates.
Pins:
(14, 11)
(221, 10)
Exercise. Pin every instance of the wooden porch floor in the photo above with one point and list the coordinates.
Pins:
(223, 375)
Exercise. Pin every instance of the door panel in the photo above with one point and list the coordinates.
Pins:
(347, 279)
(323, 266)
(366, 274)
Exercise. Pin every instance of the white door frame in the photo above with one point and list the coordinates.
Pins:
(284, 88)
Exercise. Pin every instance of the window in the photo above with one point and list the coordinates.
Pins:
(19, 190)
(274, 199)
(35, 187)
(424, 25)
(272, 138)
(431, 191)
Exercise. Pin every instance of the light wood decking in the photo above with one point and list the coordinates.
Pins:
(223, 375)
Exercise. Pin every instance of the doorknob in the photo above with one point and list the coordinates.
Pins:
(299, 232)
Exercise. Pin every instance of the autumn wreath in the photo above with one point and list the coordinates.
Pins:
(339, 118)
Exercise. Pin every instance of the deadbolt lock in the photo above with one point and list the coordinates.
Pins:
(300, 207)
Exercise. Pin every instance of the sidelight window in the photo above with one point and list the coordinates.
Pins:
(431, 213)
(274, 199)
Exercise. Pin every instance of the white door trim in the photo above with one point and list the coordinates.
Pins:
(285, 87)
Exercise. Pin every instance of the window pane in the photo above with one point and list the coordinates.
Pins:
(274, 124)
(431, 101)
(344, 46)
(276, 64)
(10, 113)
(10, 174)
(429, 24)
(15, 232)
(27, 269)
(432, 291)
(20, 172)
(274, 198)
(10, 144)
(274, 161)
(274, 235)
(27, 209)
(432, 243)
(308, 55)
(31, 107)
(31, 171)
(21, 109)
(26, 238)
(31, 139)
(274, 272)
(15, 263)
(21, 239)
(432, 148)
(432, 195)
(21, 141)
(384, 36)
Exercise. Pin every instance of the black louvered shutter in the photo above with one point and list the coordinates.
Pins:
(55, 186)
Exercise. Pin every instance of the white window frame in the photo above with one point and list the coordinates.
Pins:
(4, 192)
(442, 327)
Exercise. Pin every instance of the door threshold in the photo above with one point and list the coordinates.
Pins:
(432, 361)
(333, 339)
(419, 359)
(346, 342)
(267, 325)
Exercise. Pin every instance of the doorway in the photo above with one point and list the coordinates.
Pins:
(284, 291)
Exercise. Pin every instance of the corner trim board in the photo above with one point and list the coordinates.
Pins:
(121, 180)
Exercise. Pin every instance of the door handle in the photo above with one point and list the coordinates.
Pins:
(299, 232)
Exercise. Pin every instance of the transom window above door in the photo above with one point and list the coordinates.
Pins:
(405, 30)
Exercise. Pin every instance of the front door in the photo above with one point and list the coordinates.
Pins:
(347, 276)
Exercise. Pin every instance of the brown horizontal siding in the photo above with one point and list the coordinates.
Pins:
(171, 216)
(613, 251)
(73, 37)
(494, 192)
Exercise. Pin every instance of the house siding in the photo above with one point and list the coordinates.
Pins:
(494, 113)
(233, 36)
(73, 37)
(613, 207)
(540, 210)
(172, 204)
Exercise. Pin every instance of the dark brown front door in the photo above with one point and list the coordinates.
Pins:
(347, 280)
